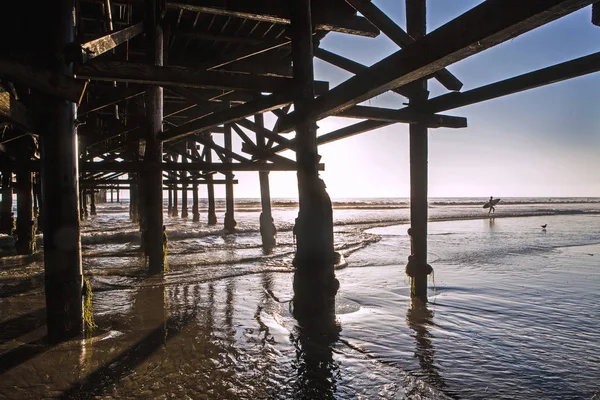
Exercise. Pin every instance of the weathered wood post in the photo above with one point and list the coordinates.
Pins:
(112, 198)
(195, 209)
(416, 28)
(229, 221)
(170, 201)
(6, 217)
(84, 208)
(153, 189)
(184, 203)
(92, 202)
(210, 190)
(25, 230)
(118, 193)
(60, 186)
(268, 232)
(134, 194)
(315, 284)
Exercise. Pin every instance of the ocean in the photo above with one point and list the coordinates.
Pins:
(512, 309)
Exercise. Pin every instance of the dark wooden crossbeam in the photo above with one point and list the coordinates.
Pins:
(189, 181)
(132, 166)
(116, 95)
(484, 26)
(15, 112)
(398, 36)
(409, 115)
(277, 13)
(101, 45)
(60, 86)
(228, 115)
(243, 53)
(120, 71)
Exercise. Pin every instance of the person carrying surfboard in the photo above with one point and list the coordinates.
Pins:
(492, 208)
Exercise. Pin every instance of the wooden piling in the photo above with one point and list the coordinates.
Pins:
(315, 284)
(6, 217)
(184, 195)
(268, 231)
(25, 230)
(210, 190)
(112, 199)
(153, 193)
(195, 209)
(118, 193)
(134, 199)
(175, 206)
(229, 221)
(170, 201)
(416, 28)
(59, 171)
(92, 202)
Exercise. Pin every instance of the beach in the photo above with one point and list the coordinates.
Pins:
(512, 309)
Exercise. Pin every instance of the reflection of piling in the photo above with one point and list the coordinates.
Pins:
(268, 231)
(6, 218)
(315, 285)
(153, 155)
(59, 168)
(416, 27)
(229, 222)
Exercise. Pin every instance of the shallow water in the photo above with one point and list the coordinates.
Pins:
(512, 314)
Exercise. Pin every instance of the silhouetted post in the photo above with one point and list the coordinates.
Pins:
(229, 222)
(184, 205)
(210, 190)
(6, 218)
(416, 27)
(37, 192)
(112, 199)
(268, 232)
(83, 205)
(92, 202)
(153, 194)
(25, 243)
(175, 211)
(59, 172)
(315, 284)
(195, 210)
(118, 193)
(134, 195)
(170, 202)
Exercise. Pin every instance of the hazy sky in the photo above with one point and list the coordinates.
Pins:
(543, 142)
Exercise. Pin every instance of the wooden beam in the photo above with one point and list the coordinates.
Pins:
(61, 86)
(243, 53)
(181, 76)
(99, 46)
(113, 97)
(132, 166)
(14, 111)
(228, 115)
(596, 14)
(351, 25)
(484, 26)
(411, 116)
(263, 131)
(398, 36)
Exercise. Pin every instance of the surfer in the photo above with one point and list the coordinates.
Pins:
(492, 208)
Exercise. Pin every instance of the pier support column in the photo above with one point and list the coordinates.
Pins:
(416, 27)
(229, 222)
(60, 187)
(175, 206)
(112, 198)
(268, 232)
(92, 202)
(153, 186)
(210, 190)
(315, 284)
(134, 212)
(25, 230)
(118, 194)
(84, 209)
(6, 215)
(184, 195)
(195, 209)
(170, 202)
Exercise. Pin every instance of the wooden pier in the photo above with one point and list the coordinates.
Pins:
(129, 95)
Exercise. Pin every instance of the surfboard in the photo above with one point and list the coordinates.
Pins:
(491, 203)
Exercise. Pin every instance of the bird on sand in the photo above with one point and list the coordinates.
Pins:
(544, 226)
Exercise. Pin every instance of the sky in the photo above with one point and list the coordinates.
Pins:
(544, 142)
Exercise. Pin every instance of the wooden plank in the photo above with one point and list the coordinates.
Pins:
(99, 46)
(113, 97)
(243, 53)
(485, 26)
(181, 76)
(14, 111)
(351, 25)
(398, 36)
(228, 115)
(411, 116)
(61, 86)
